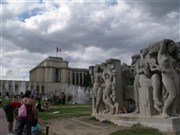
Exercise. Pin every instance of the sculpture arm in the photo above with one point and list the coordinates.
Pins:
(140, 70)
(162, 49)
(154, 67)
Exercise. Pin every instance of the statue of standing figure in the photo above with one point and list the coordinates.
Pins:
(170, 78)
(148, 76)
(107, 92)
(98, 89)
(135, 66)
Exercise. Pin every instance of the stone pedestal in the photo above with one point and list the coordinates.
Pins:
(171, 124)
(146, 101)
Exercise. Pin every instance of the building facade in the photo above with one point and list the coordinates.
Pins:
(51, 75)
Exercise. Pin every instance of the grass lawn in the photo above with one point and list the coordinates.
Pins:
(69, 110)
(138, 130)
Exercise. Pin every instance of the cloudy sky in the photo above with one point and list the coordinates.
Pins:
(87, 31)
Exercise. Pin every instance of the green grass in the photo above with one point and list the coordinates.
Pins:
(138, 130)
(66, 111)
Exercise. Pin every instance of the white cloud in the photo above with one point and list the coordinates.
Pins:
(87, 32)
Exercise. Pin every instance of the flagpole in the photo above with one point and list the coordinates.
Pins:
(56, 51)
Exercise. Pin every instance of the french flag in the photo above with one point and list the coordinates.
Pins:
(58, 49)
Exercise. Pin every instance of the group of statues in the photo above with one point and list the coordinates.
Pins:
(104, 80)
(157, 66)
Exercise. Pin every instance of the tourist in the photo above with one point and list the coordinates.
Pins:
(63, 98)
(46, 106)
(0, 99)
(7, 95)
(31, 114)
(38, 106)
(9, 110)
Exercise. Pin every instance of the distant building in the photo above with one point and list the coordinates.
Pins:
(51, 75)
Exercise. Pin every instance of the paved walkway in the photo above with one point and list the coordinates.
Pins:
(3, 123)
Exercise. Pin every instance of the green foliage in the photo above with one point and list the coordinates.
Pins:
(66, 111)
(138, 130)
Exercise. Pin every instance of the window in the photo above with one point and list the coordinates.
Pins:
(56, 75)
(42, 90)
(77, 79)
(73, 79)
(81, 79)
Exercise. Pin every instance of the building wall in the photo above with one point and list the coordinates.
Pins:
(52, 74)
(56, 70)
(15, 87)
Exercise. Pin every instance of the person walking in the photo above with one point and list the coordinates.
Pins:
(30, 115)
(0, 99)
(9, 111)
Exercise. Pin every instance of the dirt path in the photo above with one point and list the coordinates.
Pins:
(3, 123)
(78, 126)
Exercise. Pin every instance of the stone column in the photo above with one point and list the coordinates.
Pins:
(117, 83)
(146, 97)
(46, 74)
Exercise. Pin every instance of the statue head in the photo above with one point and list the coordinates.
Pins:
(97, 68)
(134, 58)
(124, 65)
(103, 65)
(170, 45)
(154, 48)
(144, 52)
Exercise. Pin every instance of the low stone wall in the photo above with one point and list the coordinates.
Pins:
(157, 121)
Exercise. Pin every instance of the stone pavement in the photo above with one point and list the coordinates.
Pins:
(3, 123)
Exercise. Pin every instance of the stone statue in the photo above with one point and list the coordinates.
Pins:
(135, 66)
(178, 71)
(169, 76)
(98, 88)
(107, 91)
(153, 79)
(156, 73)
(155, 76)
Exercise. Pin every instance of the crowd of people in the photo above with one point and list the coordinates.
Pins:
(25, 122)
(24, 109)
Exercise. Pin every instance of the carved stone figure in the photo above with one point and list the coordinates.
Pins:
(156, 76)
(98, 88)
(107, 92)
(135, 65)
(169, 77)
(178, 71)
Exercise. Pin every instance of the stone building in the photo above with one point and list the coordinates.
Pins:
(51, 75)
